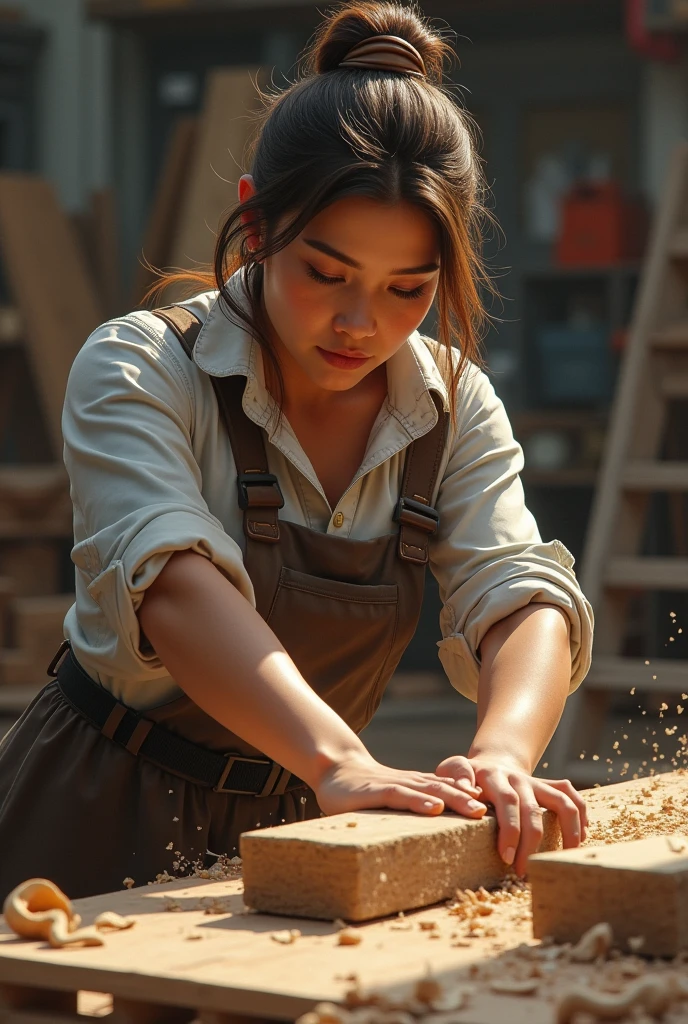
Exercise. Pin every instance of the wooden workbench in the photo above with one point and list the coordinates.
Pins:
(183, 963)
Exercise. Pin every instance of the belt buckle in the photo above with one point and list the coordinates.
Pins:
(53, 667)
(267, 789)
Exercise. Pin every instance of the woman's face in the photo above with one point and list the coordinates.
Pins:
(350, 289)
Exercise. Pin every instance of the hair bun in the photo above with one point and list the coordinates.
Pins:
(357, 21)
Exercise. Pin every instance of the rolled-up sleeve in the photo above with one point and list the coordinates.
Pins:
(489, 558)
(135, 483)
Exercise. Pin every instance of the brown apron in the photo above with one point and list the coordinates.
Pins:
(89, 812)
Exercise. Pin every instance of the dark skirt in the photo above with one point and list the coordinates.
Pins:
(77, 808)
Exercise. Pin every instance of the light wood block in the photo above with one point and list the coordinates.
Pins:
(367, 864)
(640, 888)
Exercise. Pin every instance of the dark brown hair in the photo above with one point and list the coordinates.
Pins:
(384, 135)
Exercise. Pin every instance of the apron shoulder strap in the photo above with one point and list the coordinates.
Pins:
(184, 323)
(417, 519)
(259, 493)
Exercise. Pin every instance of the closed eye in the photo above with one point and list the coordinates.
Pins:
(402, 293)
(322, 278)
(412, 293)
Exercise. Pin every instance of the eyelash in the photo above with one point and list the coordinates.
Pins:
(413, 293)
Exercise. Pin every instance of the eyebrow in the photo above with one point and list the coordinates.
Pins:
(424, 268)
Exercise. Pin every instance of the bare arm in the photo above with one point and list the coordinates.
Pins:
(524, 680)
(226, 658)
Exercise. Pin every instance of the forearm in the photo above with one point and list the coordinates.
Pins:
(524, 680)
(221, 652)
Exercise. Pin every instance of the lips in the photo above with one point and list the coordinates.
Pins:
(344, 360)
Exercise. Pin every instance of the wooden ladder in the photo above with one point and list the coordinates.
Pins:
(654, 374)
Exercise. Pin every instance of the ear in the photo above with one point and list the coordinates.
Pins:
(249, 220)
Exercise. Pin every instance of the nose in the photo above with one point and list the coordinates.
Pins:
(356, 322)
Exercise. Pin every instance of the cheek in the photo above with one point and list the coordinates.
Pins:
(291, 299)
(403, 317)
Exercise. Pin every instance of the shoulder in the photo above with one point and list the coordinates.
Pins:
(144, 339)
(473, 391)
(136, 352)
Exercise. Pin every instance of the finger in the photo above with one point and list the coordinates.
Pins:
(566, 787)
(530, 814)
(455, 799)
(460, 769)
(565, 809)
(505, 801)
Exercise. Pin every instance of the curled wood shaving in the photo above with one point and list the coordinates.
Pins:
(652, 994)
(37, 909)
(110, 920)
(596, 942)
(349, 937)
(286, 937)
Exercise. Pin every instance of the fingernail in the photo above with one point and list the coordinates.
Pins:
(509, 855)
(475, 805)
(430, 803)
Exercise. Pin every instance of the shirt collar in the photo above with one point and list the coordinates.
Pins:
(225, 349)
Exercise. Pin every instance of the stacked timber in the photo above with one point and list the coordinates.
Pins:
(52, 304)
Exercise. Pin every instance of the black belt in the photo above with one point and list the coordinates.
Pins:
(225, 773)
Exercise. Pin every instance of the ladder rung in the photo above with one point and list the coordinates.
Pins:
(655, 476)
(648, 573)
(675, 386)
(675, 336)
(622, 674)
(679, 244)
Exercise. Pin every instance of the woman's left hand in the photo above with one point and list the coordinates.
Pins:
(519, 801)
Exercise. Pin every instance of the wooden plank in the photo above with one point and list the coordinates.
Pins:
(675, 386)
(34, 565)
(169, 197)
(648, 573)
(38, 627)
(105, 241)
(224, 129)
(672, 338)
(40, 251)
(11, 327)
(228, 962)
(368, 864)
(679, 244)
(622, 674)
(573, 890)
(647, 475)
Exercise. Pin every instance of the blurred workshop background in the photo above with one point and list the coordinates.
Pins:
(123, 126)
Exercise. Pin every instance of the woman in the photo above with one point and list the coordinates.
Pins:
(259, 479)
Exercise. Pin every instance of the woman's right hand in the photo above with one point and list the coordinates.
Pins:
(358, 782)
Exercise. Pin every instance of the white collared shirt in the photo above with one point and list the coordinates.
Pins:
(152, 472)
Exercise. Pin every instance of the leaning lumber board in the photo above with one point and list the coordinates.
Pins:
(224, 129)
(51, 286)
(368, 864)
(639, 888)
(165, 211)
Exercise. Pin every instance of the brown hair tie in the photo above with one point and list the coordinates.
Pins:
(385, 53)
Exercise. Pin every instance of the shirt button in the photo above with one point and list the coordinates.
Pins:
(338, 520)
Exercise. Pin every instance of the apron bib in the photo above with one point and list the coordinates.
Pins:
(88, 812)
